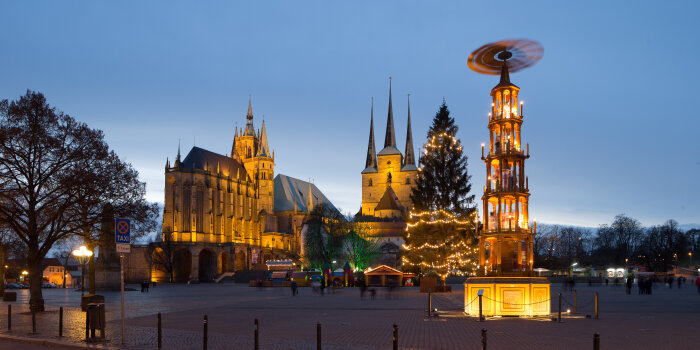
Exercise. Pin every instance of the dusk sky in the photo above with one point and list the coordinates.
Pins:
(610, 121)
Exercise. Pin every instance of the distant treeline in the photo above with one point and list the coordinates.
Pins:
(624, 242)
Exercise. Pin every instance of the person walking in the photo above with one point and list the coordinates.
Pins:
(294, 288)
(628, 285)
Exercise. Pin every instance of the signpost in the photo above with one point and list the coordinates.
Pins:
(122, 236)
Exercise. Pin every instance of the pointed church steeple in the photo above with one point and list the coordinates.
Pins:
(249, 129)
(177, 159)
(264, 149)
(409, 160)
(371, 162)
(390, 137)
(233, 146)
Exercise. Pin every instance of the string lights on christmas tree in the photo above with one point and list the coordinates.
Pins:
(440, 232)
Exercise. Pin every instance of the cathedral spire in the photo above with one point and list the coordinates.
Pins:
(264, 150)
(233, 146)
(177, 159)
(390, 137)
(410, 159)
(249, 129)
(371, 161)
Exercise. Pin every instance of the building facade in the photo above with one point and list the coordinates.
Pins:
(387, 181)
(221, 214)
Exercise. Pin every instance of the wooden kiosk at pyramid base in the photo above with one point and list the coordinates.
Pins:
(505, 279)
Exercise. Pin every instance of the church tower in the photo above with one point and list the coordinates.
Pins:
(252, 150)
(388, 177)
(506, 243)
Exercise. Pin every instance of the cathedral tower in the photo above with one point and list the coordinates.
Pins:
(388, 177)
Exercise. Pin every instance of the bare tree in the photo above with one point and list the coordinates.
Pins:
(110, 187)
(42, 153)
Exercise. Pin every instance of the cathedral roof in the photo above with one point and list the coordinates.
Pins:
(389, 201)
(198, 158)
(288, 190)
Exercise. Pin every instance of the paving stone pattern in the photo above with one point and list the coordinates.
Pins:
(669, 318)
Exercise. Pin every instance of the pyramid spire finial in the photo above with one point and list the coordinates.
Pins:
(250, 107)
(410, 158)
(505, 76)
(371, 161)
(390, 137)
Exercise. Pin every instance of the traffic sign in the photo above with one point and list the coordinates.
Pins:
(122, 230)
(122, 235)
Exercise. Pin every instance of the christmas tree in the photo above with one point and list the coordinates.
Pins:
(440, 235)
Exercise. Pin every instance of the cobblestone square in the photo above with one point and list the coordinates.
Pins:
(669, 318)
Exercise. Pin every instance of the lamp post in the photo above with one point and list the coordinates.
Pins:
(82, 254)
(24, 276)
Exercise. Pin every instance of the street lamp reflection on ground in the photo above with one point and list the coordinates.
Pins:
(82, 254)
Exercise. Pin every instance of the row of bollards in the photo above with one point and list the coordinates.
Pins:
(256, 333)
(60, 320)
(595, 302)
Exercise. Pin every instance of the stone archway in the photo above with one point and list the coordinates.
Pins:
(182, 265)
(222, 264)
(240, 261)
(159, 271)
(207, 265)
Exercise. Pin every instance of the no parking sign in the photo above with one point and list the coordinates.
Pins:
(122, 235)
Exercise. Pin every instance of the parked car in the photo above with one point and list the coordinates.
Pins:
(12, 286)
(23, 286)
(48, 285)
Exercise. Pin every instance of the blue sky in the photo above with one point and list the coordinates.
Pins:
(610, 113)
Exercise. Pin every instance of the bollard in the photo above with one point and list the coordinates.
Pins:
(103, 321)
(430, 303)
(33, 322)
(483, 338)
(396, 337)
(257, 335)
(575, 302)
(596, 305)
(87, 326)
(559, 313)
(481, 315)
(596, 341)
(160, 333)
(204, 340)
(60, 322)
(318, 336)
(9, 317)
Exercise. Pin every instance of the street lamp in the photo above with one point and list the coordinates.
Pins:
(24, 276)
(82, 254)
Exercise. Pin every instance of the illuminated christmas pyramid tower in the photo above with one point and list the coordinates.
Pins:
(506, 241)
